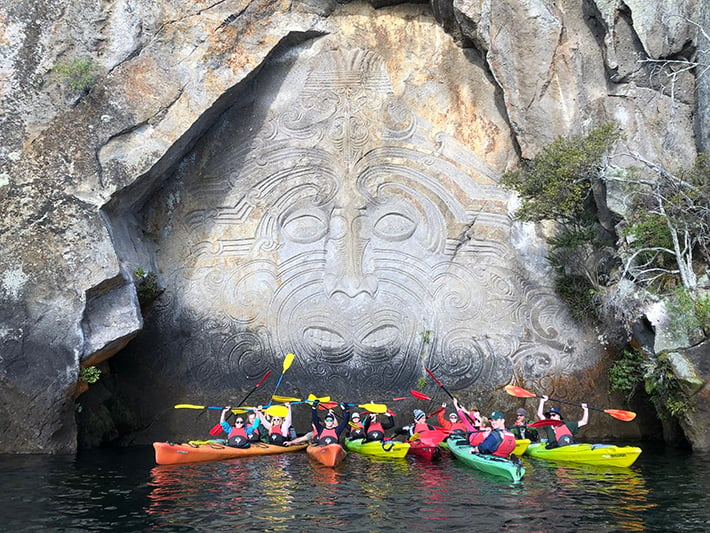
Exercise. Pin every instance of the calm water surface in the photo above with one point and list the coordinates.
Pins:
(123, 490)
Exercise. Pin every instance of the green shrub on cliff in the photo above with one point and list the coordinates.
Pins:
(80, 74)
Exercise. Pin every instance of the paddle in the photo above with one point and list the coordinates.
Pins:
(217, 429)
(419, 395)
(286, 365)
(619, 414)
(439, 383)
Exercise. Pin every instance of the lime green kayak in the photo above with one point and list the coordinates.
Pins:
(490, 464)
(376, 448)
(591, 454)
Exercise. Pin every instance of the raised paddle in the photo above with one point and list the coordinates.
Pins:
(419, 395)
(287, 364)
(217, 429)
(439, 383)
(619, 414)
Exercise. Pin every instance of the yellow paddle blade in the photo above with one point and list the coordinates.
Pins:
(239, 411)
(278, 410)
(284, 399)
(313, 398)
(288, 360)
(378, 408)
(413, 437)
(189, 406)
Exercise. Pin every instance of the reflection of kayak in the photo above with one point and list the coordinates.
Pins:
(328, 455)
(167, 453)
(387, 448)
(486, 463)
(592, 454)
(430, 452)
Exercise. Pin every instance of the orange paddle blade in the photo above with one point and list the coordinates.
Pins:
(626, 416)
(519, 392)
(419, 395)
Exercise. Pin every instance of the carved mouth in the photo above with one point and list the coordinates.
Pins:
(381, 337)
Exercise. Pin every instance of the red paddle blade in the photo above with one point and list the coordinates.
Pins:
(327, 405)
(545, 422)
(519, 392)
(216, 430)
(626, 416)
(439, 410)
(419, 395)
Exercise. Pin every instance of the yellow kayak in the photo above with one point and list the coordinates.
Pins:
(376, 448)
(520, 446)
(591, 454)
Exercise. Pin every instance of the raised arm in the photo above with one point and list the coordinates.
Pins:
(541, 408)
(262, 418)
(585, 416)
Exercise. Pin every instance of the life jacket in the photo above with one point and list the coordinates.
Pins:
(356, 433)
(375, 431)
(507, 445)
(276, 436)
(476, 438)
(255, 436)
(420, 427)
(327, 436)
(238, 437)
(563, 435)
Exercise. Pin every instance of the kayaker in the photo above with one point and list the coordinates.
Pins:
(419, 425)
(330, 433)
(356, 429)
(500, 442)
(236, 435)
(277, 427)
(454, 425)
(255, 431)
(374, 429)
(561, 435)
(521, 430)
(471, 419)
(477, 436)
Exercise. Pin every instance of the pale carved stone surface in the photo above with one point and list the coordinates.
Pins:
(333, 222)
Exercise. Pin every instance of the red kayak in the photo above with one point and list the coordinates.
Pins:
(328, 455)
(425, 450)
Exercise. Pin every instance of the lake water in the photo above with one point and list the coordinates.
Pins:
(123, 490)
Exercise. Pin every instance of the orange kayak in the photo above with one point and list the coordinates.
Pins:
(167, 453)
(329, 455)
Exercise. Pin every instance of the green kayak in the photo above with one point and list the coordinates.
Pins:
(486, 463)
(376, 448)
(590, 454)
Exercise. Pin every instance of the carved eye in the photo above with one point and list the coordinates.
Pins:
(394, 227)
(304, 228)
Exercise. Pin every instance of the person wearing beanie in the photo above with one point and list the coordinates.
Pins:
(562, 434)
(418, 426)
(520, 429)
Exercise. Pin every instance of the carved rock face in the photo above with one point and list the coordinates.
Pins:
(331, 221)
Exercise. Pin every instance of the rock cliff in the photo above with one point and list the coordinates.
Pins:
(317, 177)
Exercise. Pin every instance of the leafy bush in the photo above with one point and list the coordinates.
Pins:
(80, 74)
(628, 372)
(147, 287)
(556, 184)
(90, 374)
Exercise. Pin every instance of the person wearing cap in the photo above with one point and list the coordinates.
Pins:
(520, 429)
(329, 432)
(500, 442)
(562, 434)
(418, 427)
(454, 425)
(374, 429)
(356, 429)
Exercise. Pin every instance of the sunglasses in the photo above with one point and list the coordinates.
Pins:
(239, 422)
(453, 417)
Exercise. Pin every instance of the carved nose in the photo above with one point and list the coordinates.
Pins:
(350, 284)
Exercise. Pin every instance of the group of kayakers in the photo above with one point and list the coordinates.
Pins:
(486, 435)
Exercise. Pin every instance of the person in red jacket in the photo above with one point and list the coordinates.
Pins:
(453, 425)
(500, 442)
